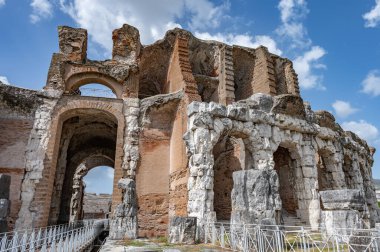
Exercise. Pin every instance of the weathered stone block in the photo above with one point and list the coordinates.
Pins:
(5, 182)
(182, 230)
(255, 196)
(260, 101)
(289, 105)
(325, 119)
(344, 199)
(339, 219)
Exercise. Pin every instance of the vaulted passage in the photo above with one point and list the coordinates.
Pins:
(285, 167)
(229, 156)
(88, 140)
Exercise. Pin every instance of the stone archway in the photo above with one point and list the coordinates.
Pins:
(330, 173)
(76, 80)
(36, 209)
(76, 202)
(285, 167)
(230, 155)
(86, 134)
(288, 166)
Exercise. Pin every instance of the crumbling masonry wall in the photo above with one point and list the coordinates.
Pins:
(199, 131)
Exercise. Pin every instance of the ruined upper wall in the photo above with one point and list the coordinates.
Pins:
(212, 70)
(18, 102)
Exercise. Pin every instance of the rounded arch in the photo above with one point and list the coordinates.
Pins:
(89, 163)
(111, 110)
(231, 152)
(77, 80)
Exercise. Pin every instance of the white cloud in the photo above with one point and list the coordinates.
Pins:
(242, 40)
(205, 13)
(343, 109)
(110, 173)
(152, 18)
(363, 129)
(292, 12)
(304, 65)
(372, 18)
(371, 84)
(2, 3)
(40, 9)
(4, 80)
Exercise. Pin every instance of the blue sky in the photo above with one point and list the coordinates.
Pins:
(334, 44)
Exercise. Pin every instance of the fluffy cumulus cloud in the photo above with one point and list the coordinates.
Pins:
(371, 84)
(242, 40)
(292, 13)
(363, 129)
(372, 18)
(152, 18)
(304, 66)
(4, 80)
(2, 3)
(293, 32)
(343, 109)
(40, 9)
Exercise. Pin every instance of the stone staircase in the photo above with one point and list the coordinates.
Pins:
(292, 220)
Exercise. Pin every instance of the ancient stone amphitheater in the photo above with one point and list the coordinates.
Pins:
(199, 131)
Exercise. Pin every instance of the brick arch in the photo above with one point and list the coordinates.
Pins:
(75, 81)
(62, 113)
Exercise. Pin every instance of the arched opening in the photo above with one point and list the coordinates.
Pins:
(325, 169)
(103, 84)
(285, 167)
(88, 140)
(350, 175)
(95, 90)
(97, 197)
(230, 155)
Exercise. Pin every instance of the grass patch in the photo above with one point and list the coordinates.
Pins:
(134, 243)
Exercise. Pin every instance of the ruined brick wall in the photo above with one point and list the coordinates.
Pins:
(17, 108)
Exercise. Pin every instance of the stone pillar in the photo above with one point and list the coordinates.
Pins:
(226, 89)
(255, 197)
(5, 182)
(124, 218)
(35, 205)
(126, 44)
(124, 221)
(73, 43)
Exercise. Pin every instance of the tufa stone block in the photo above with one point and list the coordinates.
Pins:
(182, 230)
(345, 199)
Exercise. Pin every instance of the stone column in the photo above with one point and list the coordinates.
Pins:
(124, 218)
(5, 182)
(35, 205)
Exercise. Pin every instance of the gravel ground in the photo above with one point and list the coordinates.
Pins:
(144, 245)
